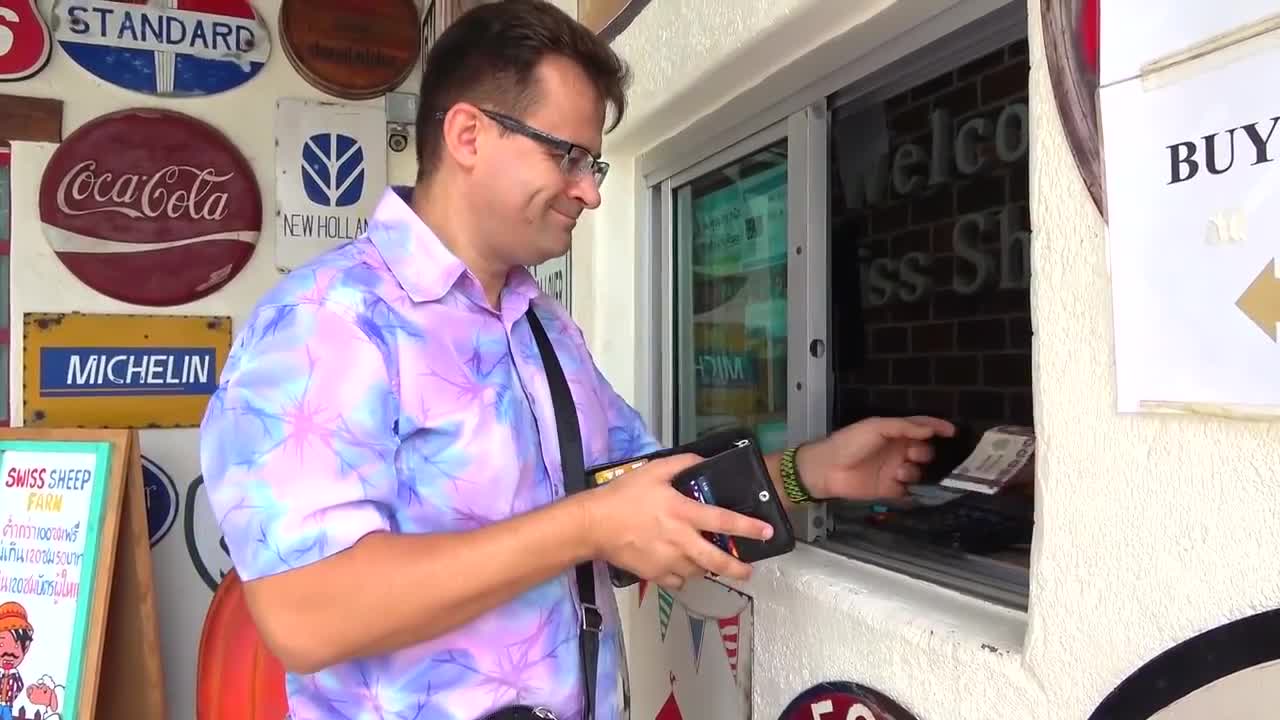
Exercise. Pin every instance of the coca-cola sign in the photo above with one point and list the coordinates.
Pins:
(151, 207)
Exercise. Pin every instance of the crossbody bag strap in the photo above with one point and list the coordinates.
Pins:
(575, 480)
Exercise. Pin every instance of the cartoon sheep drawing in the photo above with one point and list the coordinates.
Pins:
(45, 693)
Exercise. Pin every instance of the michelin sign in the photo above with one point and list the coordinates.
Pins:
(134, 371)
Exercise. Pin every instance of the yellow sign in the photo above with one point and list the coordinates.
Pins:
(120, 371)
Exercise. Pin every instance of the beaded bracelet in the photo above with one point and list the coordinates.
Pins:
(791, 483)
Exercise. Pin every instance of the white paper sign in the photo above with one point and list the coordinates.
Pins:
(331, 168)
(1193, 186)
(556, 279)
(1167, 27)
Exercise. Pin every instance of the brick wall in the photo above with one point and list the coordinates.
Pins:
(965, 356)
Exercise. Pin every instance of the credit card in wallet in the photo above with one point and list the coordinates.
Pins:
(605, 475)
(701, 491)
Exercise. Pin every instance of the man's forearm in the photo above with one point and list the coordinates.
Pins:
(391, 591)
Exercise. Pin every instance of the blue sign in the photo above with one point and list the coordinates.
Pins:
(333, 170)
(107, 371)
(162, 499)
(171, 48)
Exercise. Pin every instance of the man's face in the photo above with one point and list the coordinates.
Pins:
(528, 202)
(11, 652)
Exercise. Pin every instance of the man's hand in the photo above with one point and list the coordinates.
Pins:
(874, 458)
(639, 522)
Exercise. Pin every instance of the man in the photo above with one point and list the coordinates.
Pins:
(382, 452)
(16, 635)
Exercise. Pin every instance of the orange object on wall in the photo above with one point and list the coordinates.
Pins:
(236, 676)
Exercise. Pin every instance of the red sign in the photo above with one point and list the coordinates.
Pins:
(150, 207)
(843, 701)
(25, 43)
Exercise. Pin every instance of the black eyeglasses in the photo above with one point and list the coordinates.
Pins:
(576, 161)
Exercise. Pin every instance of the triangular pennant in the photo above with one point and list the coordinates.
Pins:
(696, 625)
(670, 709)
(729, 637)
(644, 585)
(665, 602)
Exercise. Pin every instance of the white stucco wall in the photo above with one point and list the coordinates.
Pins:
(1150, 529)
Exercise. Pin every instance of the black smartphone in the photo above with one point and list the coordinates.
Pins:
(738, 480)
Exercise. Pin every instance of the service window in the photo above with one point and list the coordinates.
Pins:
(866, 255)
(931, 240)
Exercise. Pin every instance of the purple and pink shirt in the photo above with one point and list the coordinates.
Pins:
(375, 389)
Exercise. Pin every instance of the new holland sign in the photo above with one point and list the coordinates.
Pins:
(331, 165)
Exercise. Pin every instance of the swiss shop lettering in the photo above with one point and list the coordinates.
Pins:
(138, 26)
(174, 191)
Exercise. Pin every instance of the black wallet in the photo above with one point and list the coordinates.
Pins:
(733, 475)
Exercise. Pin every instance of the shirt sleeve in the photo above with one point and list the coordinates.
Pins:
(629, 435)
(298, 442)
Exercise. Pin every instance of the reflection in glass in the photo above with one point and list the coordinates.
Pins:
(731, 307)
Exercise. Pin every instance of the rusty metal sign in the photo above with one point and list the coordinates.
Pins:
(354, 51)
(120, 371)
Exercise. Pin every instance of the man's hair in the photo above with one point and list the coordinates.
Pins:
(487, 57)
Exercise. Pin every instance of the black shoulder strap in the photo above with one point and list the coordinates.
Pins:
(575, 480)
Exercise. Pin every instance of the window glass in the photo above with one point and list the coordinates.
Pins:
(930, 283)
(730, 234)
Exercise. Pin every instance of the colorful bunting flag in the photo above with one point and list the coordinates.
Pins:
(696, 625)
(665, 602)
(670, 709)
(729, 637)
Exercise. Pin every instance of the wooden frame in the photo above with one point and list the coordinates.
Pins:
(118, 671)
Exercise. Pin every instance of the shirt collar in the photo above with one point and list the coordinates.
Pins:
(423, 266)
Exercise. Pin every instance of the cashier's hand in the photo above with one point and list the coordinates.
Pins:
(873, 458)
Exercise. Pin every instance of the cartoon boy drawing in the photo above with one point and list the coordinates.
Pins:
(16, 634)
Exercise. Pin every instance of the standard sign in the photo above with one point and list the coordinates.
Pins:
(1191, 160)
(331, 165)
(171, 48)
(113, 371)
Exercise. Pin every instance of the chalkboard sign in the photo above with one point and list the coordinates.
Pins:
(78, 635)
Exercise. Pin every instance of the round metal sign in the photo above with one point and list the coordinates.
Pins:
(354, 51)
(1072, 50)
(161, 495)
(843, 701)
(171, 48)
(1230, 671)
(150, 207)
(25, 45)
